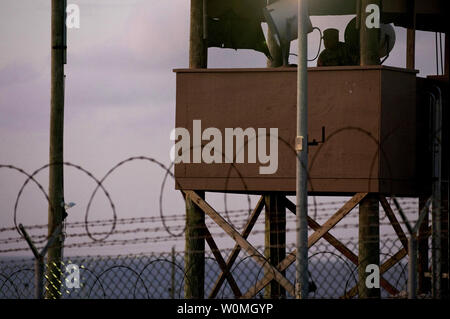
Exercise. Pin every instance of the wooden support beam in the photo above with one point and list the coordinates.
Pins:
(342, 248)
(423, 284)
(394, 222)
(384, 267)
(341, 213)
(368, 243)
(369, 37)
(369, 224)
(275, 239)
(198, 49)
(222, 264)
(327, 236)
(411, 49)
(194, 260)
(235, 252)
(274, 48)
(194, 257)
(252, 251)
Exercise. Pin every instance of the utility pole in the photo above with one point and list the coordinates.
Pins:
(56, 169)
(369, 224)
(198, 49)
(194, 260)
(301, 148)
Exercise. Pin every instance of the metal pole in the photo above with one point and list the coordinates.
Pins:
(301, 287)
(412, 267)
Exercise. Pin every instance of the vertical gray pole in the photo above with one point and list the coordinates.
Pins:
(412, 267)
(301, 287)
(56, 169)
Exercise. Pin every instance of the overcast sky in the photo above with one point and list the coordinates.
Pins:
(120, 99)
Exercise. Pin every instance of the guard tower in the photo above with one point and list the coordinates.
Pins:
(372, 134)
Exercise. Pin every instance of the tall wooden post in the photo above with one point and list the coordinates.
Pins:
(369, 243)
(275, 239)
(194, 261)
(423, 284)
(275, 217)
(369, 37)
(198, 49)
(369, 230)
(194, 256)
(410, 48)
(56, 178)
(274, 48)
(445, 212)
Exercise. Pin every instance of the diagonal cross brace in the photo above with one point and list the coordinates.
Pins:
(236, 250)
(330, 223)
(341, 248)
(222, 264)
(271, 271)
(384, 267)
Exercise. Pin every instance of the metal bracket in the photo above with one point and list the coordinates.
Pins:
(298, 143)
(314, 142)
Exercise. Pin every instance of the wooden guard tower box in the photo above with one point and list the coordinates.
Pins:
(369, 115)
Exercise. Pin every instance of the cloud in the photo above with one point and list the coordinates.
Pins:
(158, 33)
(18, 73)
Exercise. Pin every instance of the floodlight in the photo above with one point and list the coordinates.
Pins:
(387, 37)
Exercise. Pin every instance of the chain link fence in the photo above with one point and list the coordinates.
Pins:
(162, 275)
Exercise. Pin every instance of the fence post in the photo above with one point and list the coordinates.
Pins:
(412, 267)
(172, 287)
(39, 258)
(39, 277)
